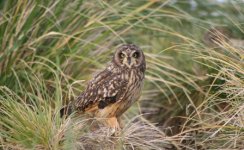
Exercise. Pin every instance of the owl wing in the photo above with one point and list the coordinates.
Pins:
(105, 88)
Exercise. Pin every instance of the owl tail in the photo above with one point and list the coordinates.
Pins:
(66, 111)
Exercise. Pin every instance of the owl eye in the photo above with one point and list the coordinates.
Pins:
(135, 55)
(121, 55)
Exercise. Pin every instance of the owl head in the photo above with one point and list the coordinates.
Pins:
(129, 56)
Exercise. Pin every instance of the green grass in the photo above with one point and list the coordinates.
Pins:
(193, 93)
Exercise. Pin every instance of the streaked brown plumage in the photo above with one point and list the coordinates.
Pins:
(112, 91)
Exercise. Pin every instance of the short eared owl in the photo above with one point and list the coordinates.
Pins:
(112, 91)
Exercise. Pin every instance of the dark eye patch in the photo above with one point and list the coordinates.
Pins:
(121, 55)
(136, 54)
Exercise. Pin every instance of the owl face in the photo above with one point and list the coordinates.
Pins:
(129, 56)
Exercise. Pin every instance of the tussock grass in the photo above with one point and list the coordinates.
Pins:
(221, 123)
(193, 94)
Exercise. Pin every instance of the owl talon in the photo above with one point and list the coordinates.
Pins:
(114, 127)
(115, 132)
(112, 131)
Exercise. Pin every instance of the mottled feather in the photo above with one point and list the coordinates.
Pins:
(112, 91)
(105, 88)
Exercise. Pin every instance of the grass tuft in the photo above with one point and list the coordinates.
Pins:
(194, 89)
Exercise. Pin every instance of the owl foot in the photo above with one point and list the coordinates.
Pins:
(115, 131)
(113, 125)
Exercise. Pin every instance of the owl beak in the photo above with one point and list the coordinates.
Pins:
(128, 63)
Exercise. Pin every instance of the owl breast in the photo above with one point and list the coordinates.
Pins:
(134, 79)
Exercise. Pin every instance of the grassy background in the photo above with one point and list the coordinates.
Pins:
(193, 94)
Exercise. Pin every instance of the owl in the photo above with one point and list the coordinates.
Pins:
(112, 91)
